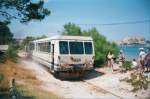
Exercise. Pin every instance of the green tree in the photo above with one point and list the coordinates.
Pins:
(5, 34)
(101, 45)
(23, 10)
(71, 29)
(6, 38)
(27, 40)
(41, 37)
(11, 53)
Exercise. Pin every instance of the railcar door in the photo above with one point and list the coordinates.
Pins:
(53, 46)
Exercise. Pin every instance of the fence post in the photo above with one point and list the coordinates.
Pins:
(13, 90)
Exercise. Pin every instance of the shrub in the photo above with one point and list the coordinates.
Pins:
(138, 81)
(127, 65)
(11, 53)
(2, 57)
(1, 77)
(4, 83)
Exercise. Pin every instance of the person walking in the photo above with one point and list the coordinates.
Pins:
(147, 61)
(110, 60)
(121, 59)
(142, 55)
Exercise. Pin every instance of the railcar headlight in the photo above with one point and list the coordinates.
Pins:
(63, 64)
(90, 62)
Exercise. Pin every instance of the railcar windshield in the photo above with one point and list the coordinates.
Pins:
(88, 47)
(76, 47)
(63, 47)
(73, 47)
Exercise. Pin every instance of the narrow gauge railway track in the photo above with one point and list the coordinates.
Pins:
(96, 88)
(101, 90)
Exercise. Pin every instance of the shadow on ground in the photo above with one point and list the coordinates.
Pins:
(92, 74)
(4, 96)
(7, 96)
(87, 76)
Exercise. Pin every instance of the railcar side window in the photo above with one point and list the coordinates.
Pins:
(88, 47)
(44, 47)
(63, 47)
(76, 47)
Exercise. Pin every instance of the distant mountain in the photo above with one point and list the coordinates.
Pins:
(132, 40)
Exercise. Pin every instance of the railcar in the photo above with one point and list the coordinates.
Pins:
(64, 54)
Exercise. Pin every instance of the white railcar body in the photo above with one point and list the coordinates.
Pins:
(64, 53)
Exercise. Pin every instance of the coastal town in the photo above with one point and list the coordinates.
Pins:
(135, 40)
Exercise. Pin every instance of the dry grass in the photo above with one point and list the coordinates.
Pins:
(36, 92)
(12, 70)
(25, 79)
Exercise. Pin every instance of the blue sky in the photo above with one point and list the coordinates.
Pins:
(91, 12)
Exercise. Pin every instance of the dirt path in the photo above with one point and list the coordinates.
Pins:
(66, 89)
(94, 85)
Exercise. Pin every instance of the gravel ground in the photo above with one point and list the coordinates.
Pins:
(100, 83)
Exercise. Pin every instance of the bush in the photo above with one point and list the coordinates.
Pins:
(138, 81)
(1, 77)
(11, 53)
(127, 65)
(2, 57)
(4, 83)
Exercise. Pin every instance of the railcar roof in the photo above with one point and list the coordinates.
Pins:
(60, 37)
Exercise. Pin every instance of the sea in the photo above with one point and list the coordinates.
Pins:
(132, 52)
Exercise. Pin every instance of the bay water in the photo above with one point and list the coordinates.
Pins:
(132, 52)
